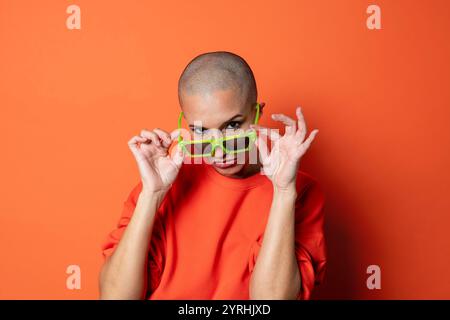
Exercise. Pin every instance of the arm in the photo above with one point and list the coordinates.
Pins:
(124, 274)
(276, 274)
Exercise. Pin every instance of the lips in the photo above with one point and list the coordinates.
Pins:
(224, 165)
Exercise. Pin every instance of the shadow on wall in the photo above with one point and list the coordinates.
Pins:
(342, 266)
(348, 251)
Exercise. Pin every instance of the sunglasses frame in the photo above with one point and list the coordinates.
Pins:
(218, 142)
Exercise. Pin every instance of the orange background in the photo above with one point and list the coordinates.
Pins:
(71, 99)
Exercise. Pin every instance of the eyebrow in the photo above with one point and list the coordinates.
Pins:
(223, 124)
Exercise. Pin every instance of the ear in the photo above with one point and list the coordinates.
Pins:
(261, 108)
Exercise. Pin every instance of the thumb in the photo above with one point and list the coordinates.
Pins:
(177, 156)
(262, 147)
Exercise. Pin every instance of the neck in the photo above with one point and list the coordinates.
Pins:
(248, 170)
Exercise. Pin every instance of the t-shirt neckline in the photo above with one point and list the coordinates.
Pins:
(252, 181)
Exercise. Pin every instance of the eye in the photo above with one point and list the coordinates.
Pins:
(233, 125)
(198, 130)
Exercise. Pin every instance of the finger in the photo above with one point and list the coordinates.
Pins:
(164, 136)
(301, 131)
(153, 137)
(180, 132)
(174, 134)
(271, 133)
(133, 144)
(287, 121)
(262, 147)
(305, 145)
(177, 156)
(265, 171)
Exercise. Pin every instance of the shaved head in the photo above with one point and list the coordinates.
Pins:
(219, 70)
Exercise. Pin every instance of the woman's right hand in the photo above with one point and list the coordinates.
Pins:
(157, 168)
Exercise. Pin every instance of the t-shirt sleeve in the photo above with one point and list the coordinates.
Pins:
(310, 247)
(156, 251)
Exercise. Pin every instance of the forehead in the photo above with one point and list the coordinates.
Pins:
(213, 109)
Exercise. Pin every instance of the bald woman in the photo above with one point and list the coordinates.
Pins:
(218, 229)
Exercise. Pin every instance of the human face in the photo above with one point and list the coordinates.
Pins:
(219, 111)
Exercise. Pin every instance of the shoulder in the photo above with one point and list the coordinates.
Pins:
(309, 188)
(306, 180)
(133, 195)
(186, 175)
(190, 170)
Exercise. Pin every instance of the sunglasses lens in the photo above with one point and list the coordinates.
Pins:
(236, 144)
(199, 148)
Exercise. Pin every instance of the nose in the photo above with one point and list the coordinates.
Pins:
(218, 153)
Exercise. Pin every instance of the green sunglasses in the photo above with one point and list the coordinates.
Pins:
(229, 144)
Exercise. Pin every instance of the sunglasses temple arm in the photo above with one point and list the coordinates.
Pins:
(180, 117)
(257, 113)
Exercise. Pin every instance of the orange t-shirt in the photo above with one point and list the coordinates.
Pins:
(208, 231)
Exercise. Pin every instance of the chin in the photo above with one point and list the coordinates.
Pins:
(234, 169)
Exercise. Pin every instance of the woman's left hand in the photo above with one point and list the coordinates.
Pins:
(281, 163)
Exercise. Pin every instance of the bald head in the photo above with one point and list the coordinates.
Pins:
(218, 70)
